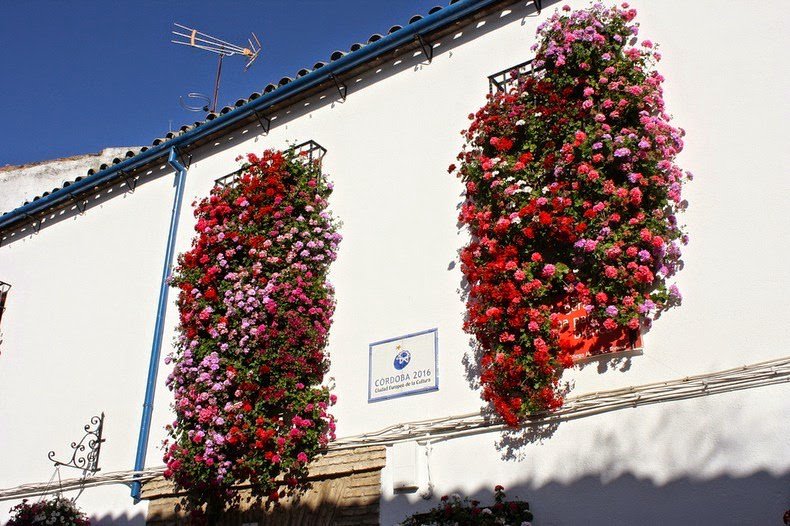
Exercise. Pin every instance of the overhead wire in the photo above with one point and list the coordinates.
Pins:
(429, 431)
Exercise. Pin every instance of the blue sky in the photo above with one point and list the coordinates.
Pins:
(80, 76)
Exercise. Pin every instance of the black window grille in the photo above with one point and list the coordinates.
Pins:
(507, 78)
(311, 151)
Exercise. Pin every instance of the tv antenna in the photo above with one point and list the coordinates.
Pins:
(186, 36)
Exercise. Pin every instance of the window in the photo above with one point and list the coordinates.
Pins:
(576, 335)
(504, 80)
(310, 150)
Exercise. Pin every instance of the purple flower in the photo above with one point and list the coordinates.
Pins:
(646, 307)
(675, 293)
(622, 152)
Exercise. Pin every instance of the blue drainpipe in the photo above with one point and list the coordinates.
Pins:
(156, 346)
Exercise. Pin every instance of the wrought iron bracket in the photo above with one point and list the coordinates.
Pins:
(427, 49)
(4, 289)
(82, 206)
(36, 222)
(131, 184)
(186, 161)
(342, 89)
(86, 452)
(264, 121)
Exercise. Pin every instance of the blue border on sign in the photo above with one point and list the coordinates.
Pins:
(435, 332)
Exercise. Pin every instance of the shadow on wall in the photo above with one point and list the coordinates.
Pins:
(712, 460)
(761, 498)
(338, 504)
(121, 520)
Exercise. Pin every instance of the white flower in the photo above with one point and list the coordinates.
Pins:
(520, 122)
(487, 511)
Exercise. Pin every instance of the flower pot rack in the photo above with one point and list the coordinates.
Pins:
(505, 79)
(310, 150)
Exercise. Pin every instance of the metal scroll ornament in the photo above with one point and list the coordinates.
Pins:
(85, 455)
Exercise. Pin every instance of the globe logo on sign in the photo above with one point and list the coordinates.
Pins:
(402, 359)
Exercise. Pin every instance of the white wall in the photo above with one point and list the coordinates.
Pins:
(21, 183)
(85, 289)
(77, 336)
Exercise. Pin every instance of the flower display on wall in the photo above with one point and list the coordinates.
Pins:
(455, 510)
(255, 311)
(57, 511)
(572, 196)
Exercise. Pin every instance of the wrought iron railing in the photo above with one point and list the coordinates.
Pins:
(310, 150)
(507, 78)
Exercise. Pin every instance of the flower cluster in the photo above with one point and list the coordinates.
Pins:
(454, 511)
(255, 311)
(571, 199)
(56, 511)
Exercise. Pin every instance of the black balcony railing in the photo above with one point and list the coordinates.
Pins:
(311, 151)
(507, 78)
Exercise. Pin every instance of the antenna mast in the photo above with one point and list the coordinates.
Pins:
(187, 36)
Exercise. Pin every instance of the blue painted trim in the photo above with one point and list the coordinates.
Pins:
(349, 61)
(159, 327)
(435, 332)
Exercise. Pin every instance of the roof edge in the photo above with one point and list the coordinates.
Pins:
(390, 42)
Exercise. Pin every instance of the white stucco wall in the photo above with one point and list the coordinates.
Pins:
(21, 183)
(80, 316)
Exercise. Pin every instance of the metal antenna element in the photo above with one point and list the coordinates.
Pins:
(198, 96)
(186, 36)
